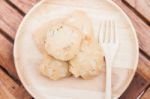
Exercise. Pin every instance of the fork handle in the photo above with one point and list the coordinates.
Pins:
(108, 91)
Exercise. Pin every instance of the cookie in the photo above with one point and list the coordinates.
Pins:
(54, 69)
(39, 34)
(88, 62)
(63, 41)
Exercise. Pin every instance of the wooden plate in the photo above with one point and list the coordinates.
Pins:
(27, 57)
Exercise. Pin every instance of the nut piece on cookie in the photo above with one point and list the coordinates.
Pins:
(63, 41)
(88, 62)
(54, 69)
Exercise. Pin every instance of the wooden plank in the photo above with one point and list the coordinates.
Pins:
(146, 94)
(137, 86)
(143, 30)
(6, 61)
(24, 5)
(142, 6)
(6, 56)
(144, 67)
(21, 93)
(10, 88)
(9, 19)
(4, 94)
(8, 84)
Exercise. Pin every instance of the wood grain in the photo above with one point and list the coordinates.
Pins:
(137, 85)
(24, 5)
(142, 6)
(144, 67)
(146, 94)
(4, 94)
(6, 56)
(9, 19)
(143, 30)
(10, 89)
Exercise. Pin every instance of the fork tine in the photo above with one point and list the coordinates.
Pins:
(101, 32)
(112, 32)
(114, 26)
(116, 35)
(106, 39)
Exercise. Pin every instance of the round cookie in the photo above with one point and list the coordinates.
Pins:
(39, 35)
(54, 69)
(88, 62)
(63, 41)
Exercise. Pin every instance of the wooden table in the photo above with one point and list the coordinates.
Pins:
(12, 13)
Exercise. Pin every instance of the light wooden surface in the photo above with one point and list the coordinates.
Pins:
(9, 23)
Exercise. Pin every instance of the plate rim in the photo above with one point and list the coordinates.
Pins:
(42, 1)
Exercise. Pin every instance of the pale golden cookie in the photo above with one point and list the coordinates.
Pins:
(39, 35)
(63, 41)
(54, 69)
(88, 62)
